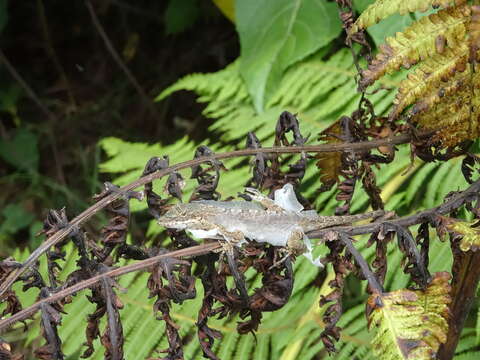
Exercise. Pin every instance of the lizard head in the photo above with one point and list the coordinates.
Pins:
(178, 217)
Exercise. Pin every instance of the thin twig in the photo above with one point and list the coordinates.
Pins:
(85, 215)
(146, 99)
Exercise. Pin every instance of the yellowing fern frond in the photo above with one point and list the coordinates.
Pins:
(470, 234)
(422, 39)
(411, 324)
(453, 108)
(382, 9)
(429, 75)
(447, 89)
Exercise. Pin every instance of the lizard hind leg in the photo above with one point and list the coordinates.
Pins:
(299, 244)
(295, 246)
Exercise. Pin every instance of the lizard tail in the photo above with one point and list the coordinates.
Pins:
(329, 221)
(369, 215)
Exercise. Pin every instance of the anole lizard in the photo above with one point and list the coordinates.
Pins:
(280, 222)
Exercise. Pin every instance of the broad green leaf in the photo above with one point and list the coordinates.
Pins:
(411, 324)
(276, 34)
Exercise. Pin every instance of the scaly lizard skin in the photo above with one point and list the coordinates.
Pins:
(280, 222)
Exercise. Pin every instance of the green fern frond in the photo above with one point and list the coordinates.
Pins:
(214, 88)
(382, 9)
(411, 324)
(429, 185)
(440, 255)
(418, 41)
(474, 355)
(262, 349)
(418, 180)
(467, 341)
(319, 91)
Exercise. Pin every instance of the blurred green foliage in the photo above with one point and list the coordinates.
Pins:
(21, 151)
(180, 15)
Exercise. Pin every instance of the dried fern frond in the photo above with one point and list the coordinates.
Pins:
(411, 324)
(422, 39)
(330, 164)
(382, 9)
(429, 75)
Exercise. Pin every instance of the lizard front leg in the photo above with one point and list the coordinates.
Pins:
(234, 238)
(263, 200)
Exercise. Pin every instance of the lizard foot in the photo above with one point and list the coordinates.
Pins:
(287, 256)
(263, 200)
(227, 247)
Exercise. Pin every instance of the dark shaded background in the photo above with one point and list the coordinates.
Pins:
(58, 51)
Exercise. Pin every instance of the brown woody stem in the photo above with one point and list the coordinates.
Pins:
(464, 285)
